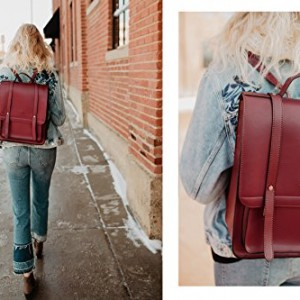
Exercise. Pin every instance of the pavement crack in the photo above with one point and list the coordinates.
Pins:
(76, 228)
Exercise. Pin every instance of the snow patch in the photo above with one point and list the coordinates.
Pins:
(136, 234)
(89, 135)
(134, 231)
(89, 159)
(64, 224)
(111, 207)
(90, 148)
(119, 182)
(80, 170)
(97, 169)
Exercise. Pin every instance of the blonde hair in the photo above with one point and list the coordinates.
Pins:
(273, 36)
(29, 50)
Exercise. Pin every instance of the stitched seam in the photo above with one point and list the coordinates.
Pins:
(277, 166)
(242, 152)
(222, 108)
(209, 161)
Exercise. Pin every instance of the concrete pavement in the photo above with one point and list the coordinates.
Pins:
(94, 249)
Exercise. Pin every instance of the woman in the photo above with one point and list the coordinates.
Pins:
(29, 53)
(208, 151)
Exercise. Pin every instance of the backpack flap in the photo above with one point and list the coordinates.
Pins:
(255, 149)
(255, 140)
(23, 112)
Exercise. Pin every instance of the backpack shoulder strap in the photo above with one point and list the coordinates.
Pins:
(16, 75)
(35, 72)
(254, 62)
(32, 78)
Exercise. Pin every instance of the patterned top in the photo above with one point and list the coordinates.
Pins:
(231, 93)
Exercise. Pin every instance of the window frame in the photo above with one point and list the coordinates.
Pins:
(120, 10)
(73, 32)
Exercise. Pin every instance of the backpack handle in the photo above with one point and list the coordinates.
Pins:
(32, 78)
(287, 84)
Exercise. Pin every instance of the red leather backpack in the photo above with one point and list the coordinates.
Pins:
(263, 205)
(23, 111)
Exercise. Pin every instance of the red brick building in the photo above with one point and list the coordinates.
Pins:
(109, 55)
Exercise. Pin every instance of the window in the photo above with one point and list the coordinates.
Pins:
(120, 23)
(73, 38)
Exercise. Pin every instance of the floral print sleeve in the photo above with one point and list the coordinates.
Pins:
(56, 104)
(3, 78)
(230, 95)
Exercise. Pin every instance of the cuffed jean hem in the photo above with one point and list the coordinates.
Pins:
(23, 260)
(23, 267)
(39, 238)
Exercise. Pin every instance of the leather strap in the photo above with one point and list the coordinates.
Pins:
(35, 110)
(287, 84)
(16, 75)
(254, 62)
(270, 188)
(8, 109)
(32, 78)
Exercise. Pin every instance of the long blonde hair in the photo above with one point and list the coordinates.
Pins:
(273, 36)
(29, 50)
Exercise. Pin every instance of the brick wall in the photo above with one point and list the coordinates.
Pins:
(78, 78)
(126, 93)
(145, 76)
(108, 80)
(121, 89)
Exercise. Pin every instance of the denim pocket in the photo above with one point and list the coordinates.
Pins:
(46, 157)
(11, 156)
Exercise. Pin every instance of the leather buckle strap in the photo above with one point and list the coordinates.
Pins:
(270, 189)
(35, 111)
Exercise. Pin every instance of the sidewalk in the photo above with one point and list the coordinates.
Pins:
(94, 249)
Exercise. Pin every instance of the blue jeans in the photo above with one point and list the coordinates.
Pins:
(23, 164)
(258, 272)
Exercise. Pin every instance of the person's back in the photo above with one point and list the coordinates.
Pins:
(30, 163)
(208, 151)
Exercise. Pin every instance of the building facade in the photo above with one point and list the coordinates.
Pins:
(109, 56)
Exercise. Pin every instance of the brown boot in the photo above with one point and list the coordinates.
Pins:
(29, 284)
(38, 248)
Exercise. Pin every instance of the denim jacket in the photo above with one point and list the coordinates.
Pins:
(208, 151)
(56, 111)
